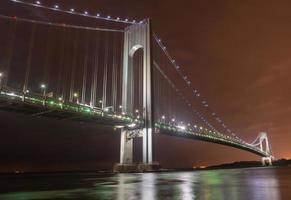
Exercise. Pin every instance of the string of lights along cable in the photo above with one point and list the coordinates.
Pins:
(73, 11)
(196, 94)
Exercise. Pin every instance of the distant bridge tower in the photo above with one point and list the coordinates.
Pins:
(263, 138)
(137, 36)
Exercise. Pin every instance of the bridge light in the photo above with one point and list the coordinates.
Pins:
(117, 18)
(132, 125)
(108, 17)
(72, 10)
(38, 2)
(1, 76)
(56, 6)
(133, 21)
(86, 12)
(181, 127)
(126, 20)
(98, 15)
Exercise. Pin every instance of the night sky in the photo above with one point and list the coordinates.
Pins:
(237, 53)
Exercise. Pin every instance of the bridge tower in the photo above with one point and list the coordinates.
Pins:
(263, 138)
(137, 36)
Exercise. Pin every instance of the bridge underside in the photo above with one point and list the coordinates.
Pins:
(38, 106)
(206, 138)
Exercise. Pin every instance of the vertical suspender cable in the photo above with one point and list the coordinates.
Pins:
(61, 62)
(10, 53)
(28, 62)
(121, 68)
(84, 84)
(114, 73)
(67, 66)
(140, 80)
(72, 84)
(105, 73)
(95, 74)
(46, 71)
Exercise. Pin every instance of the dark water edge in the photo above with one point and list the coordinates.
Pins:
(252, 183)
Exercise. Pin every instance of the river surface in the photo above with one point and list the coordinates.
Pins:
(249, 184)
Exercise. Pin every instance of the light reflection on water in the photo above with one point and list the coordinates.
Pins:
(257, 184)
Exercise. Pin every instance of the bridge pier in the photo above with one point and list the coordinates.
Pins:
(126, 148)
(267, 161)
(126, 163)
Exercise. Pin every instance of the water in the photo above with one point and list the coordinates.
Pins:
(263, 183)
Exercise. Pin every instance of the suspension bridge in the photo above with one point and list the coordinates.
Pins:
(117, 73)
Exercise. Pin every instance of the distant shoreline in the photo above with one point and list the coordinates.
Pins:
(234, 165)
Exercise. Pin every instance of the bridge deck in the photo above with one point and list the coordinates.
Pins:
(37, 105)
(209, 137)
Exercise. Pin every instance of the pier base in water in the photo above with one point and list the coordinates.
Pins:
(134, 167)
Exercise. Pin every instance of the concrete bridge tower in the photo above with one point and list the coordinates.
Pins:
(137, 36)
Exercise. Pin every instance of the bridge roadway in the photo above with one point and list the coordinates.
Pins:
(38, 105)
